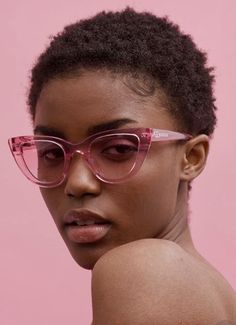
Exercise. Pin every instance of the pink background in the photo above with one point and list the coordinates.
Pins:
(40, 282)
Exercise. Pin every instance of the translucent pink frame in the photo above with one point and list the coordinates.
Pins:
(145, 137)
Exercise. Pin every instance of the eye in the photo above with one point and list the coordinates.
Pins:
(122, 150)
(50, 154)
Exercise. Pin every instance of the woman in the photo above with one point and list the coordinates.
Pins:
(123, 110)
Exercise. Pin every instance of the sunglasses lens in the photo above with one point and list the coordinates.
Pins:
(111, 157)
(44, 160)
(114, 156)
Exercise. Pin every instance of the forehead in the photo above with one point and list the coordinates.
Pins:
(78, 102)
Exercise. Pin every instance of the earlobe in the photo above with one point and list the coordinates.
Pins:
(195, 157)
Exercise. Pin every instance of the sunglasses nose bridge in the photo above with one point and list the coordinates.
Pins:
(74, 153)
(79, 152)
(77, 148)
(74, 161)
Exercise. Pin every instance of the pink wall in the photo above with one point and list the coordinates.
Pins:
(40, 283)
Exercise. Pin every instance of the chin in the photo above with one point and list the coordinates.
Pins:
(85, 255)
(86, 263)
(86, 266)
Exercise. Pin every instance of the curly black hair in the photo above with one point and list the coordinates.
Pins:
(135, 44)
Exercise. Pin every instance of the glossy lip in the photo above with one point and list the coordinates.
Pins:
(87, 234)
(83, 215)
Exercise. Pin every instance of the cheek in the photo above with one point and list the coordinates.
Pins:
(52, 199)
(159, 177)
(150, 196)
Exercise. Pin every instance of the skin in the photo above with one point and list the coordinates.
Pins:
(156, 282)
(153, 204)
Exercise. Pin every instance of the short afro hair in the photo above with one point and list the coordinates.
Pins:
(136, 44)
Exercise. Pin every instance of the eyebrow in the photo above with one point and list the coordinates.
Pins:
(45, 130)
(114, 124)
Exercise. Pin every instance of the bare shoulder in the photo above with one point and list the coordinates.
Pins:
(154, 281)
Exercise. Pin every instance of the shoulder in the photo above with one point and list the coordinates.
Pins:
(141, 255)
(152, 281)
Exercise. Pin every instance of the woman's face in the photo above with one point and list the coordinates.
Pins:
(143, 206)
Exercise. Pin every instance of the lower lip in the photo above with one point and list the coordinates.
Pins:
(87, 234)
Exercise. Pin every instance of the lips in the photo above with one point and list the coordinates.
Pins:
(83, 216)
(84, 226)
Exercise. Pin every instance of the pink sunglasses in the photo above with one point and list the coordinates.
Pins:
(113, 156)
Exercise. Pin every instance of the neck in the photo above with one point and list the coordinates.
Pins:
(178, 229)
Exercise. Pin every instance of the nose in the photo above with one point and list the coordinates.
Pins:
(80, 180)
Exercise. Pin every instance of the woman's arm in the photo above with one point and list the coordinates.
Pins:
(149, 282)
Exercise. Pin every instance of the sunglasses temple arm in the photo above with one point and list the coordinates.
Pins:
(168, 135)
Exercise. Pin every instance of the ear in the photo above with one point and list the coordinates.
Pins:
(195, 157)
